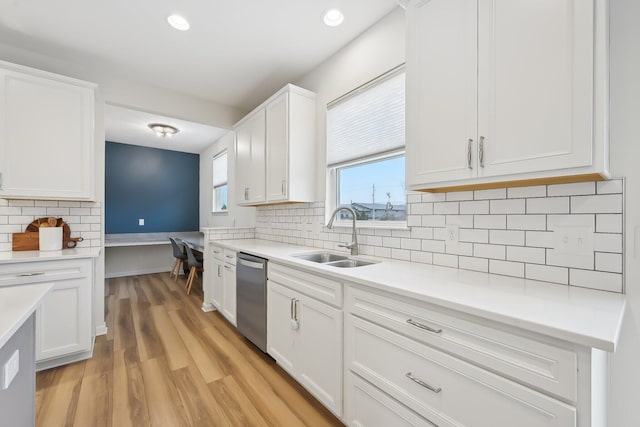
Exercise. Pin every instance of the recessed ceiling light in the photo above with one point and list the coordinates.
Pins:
(333, 17)
(178, 22)
(163, 130)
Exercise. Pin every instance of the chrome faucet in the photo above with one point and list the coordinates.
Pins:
(354, 238)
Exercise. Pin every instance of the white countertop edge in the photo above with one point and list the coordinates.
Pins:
(18, 303)
(581, 316)
(34, 256)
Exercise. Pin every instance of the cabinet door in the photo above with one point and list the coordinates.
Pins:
(216, 295)
(229, 293)
(63, 320)
(278, 148)
(281, 328)
(320, 349)
(536, 85)
(250, 152)
(46, 137)
(441, 79)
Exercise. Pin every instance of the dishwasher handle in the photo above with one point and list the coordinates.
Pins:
(251, 264)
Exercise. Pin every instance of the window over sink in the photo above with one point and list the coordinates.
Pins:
(365, 152)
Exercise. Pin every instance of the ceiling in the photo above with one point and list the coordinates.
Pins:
(237, 53)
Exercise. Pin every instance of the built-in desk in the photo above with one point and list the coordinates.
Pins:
(130, 254)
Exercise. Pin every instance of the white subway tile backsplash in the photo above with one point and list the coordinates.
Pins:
(506, 268)
(492, 194)
(489, 251)
(609, 262)
(607, 203)
(573, 189)
(525, 192)
(508, 231)
(459, 195)
(20, 219)
(21, 203)
(506, 237)
(495, 222)
(610, 187)
(526, 222)
(609, 223)
(508, 206)
(548, 205)
(475, 207)
(596, 280)
(547, 273)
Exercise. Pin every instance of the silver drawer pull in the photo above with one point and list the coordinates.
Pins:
(229, 256)
(425, 327)
(422, 383)
(30, 274)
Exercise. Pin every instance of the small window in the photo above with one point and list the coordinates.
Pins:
(220, 188)
(365, 152)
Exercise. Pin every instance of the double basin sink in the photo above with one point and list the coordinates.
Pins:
(333, 260)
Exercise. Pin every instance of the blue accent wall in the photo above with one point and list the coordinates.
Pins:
(161, 186)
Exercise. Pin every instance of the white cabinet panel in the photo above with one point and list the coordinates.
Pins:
(278, 148)
(47, 135)
(229, 293)
(281, 326)
(217, 278)
(250, 160)
(63, 320)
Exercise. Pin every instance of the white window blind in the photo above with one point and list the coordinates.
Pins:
(367, 122)
(220, 170)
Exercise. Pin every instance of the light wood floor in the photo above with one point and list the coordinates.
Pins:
(166, 363)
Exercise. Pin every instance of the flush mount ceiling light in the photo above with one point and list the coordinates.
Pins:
(163, 130)
(178, 22)
(333, 17)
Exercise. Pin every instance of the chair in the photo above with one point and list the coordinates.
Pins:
(180, 256)
(195, 266)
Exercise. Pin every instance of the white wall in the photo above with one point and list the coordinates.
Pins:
(236, 216)
(625, 157)
(377, 50)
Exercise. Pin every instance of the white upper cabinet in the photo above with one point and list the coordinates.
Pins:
(47, 135)
(276, 151)
(505, 90)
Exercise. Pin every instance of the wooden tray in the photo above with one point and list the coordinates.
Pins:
(29, 241)
(67, 240)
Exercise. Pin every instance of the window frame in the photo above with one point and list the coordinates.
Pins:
(215, 187)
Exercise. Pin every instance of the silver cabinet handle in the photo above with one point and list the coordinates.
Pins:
(229, 256)
(481, 149)
(422, 383)
(291, 309)
(246, 193)
(422, 326)
(216, 252)
(469, 143)
(282, 187)
(227, 267)
(30, 274)
(219, 271)
(295, 310)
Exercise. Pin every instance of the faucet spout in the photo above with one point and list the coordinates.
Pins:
(353, 246)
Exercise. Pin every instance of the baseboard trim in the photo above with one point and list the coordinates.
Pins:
(65, 360)
(101, 329)
(207, 307)
(116, 274)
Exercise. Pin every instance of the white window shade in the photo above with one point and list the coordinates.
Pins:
(369, 122)
(220, 170)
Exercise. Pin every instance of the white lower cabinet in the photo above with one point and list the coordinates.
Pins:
(63, 320)
(304, 335)
(64, 325)
(217, 279)
(229, 292)
(412, 363)
(223, 282)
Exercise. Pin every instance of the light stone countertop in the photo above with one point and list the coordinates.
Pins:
(582, 316)
(17, 303)
(32, 256)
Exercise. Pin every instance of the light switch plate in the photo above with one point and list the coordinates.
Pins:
(141, 222)
(10, 370)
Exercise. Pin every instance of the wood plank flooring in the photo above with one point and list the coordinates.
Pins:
(166, 363)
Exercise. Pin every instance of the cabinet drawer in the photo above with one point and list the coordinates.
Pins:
(320, 288)
(445, 390)
(46, 271)
(541, 365)
(229, 256)
(218, 252)
(369, 407)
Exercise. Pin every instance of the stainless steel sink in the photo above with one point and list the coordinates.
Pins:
(321, 257)
(333, 260)
(350, 263)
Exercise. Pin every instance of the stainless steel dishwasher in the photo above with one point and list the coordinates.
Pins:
(251, 293)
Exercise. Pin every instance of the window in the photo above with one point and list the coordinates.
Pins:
(220, 188)
(365, 152)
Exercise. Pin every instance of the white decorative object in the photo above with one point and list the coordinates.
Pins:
(50, 238)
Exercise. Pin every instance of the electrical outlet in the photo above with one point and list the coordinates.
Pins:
(452, 234)
(573, 240)
(10, 370)
(141, 222)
